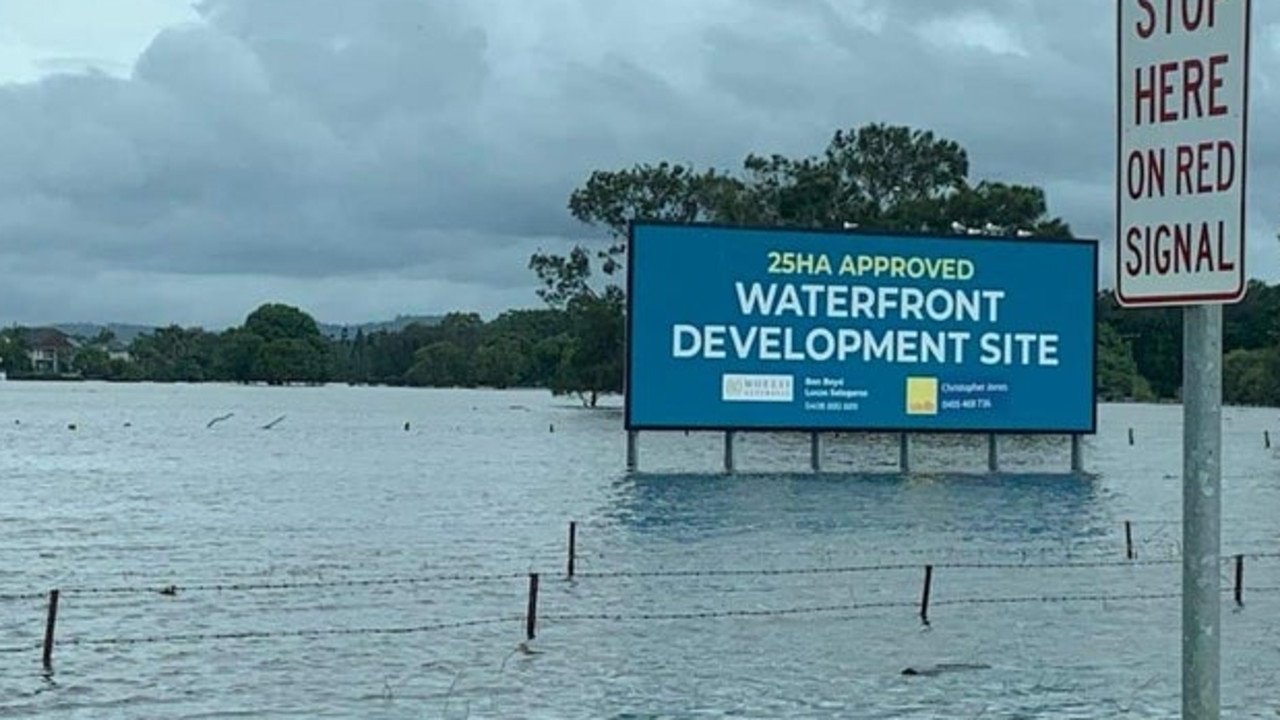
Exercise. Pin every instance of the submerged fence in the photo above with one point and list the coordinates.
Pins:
(531, 617)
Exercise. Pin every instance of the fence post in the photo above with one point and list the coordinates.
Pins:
(573, 545)
(50, 622)
(924, 597)
(531, 616)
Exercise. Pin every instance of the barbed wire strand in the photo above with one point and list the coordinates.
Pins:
(264, 634)
(296, 584)
(17, 597)
(19, 649)
(871, 568)
(709, 614)
(879, 605)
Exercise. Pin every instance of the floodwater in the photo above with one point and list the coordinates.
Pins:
(337, 564)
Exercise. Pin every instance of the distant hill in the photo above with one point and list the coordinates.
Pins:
(125, 333)
(401, 322)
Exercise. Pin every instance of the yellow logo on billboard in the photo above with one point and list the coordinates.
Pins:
(922, 396)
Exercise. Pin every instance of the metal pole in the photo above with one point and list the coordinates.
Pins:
(1201, 510)
(904, 452)
(815, 452)
(993, 453)
(1077, 455)
(728, 451)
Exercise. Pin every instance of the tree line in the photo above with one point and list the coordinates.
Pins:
(565, 350)
(578, 350)
(879, 177)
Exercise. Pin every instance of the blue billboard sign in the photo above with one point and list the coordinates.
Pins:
(733, 328)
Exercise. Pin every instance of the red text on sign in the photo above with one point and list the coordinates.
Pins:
(1176, 90)
(1174, 249)
(1198, 169)
(1184, 15)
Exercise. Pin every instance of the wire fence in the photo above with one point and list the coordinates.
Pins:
(1232, 564)
(618, 617)
(476, 578)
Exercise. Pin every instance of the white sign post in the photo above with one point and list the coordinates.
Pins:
(1182, 92)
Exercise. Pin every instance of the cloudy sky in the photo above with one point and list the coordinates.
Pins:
(168, 162)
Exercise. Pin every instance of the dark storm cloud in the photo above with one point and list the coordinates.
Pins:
(377, 156)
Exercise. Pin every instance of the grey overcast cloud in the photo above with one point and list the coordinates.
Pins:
(165, 162)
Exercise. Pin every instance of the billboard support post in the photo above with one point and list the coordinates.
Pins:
(1077, 454)
(632, 437)
(904, 452)
(728, 451)
(993, 453)
(815, 452)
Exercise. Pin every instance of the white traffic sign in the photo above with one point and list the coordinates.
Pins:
(1183, 69)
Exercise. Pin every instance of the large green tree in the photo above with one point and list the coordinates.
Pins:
(281, 344)
(878, 176)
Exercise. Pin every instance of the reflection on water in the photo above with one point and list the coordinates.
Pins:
(344, 519)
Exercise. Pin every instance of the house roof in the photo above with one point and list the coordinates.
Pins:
(49, 339)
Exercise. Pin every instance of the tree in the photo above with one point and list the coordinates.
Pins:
(591, 363)
(290, 360)
(13, 352)
(1003, 209)
(1252, 322)
(1118, 376)
(238, 354)
(174, 354)
(1155, 335)
(440, 364)
(103, 339)
(93, 363)
(1251, 377)
(880, 176)
(281, 344)
(500, 363)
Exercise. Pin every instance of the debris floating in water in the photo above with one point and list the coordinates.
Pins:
(945, 667)
(219, 419)
(273, 423)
